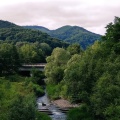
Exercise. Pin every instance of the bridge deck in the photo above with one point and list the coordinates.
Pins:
(34, 65)
(29, 67)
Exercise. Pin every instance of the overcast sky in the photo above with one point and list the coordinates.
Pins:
(93, 15)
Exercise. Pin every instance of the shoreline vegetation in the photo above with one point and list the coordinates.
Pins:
(90, 78)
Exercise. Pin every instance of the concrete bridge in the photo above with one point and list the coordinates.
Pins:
(29, 67)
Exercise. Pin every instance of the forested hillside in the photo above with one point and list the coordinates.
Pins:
(90, 78)
(71, 34)
(18, 93)
(14, 33)
(6, 24)
(32, 45)
(43, 29)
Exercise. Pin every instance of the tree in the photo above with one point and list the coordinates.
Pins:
(106, 99)
(111, 40)
(30, 54)
(22, 108)
(81, 113)
(56, 64)
(46, 49)
(9, 58)
(74, 49)
(37, 77)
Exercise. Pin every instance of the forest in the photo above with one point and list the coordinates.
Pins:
(89, 78)
(70, 34)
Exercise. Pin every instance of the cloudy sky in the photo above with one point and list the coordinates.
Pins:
(93, 15)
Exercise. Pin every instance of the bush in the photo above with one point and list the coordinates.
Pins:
(22, 108)
(37, 77)
(81, 113)
(53, 91)
(42, 116)
(39, 91)
(14, 78)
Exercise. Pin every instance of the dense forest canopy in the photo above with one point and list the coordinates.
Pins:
(90, 78)
(21, 34)
(32, 46)
(6, 24)
(14, 33)
(71, 34)
(18, 93)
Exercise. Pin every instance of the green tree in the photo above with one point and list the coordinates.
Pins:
(74, 49)
(56, 64)
(22, 108)
(37, 77)
(30, 54)
(46, 49)
(81, 113)
(106, 99)
(9, 58)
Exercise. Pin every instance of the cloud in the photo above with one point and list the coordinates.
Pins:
(93, 15)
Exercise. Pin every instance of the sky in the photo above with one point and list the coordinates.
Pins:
(92, 15)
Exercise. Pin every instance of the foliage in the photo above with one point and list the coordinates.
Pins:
(20, 34)
(33, 86)
(75, 34)
(38, 77)
(9, 58)
(106, 97)
(43, 29)
(13, 99)
(93, 77)
(30, 53)
(74, 49)
(55, 65)
(33, 46)
(39, 91)
(6, 24)
(17, 99)
(53, 91)
(42, 116)
(80, 113)
(22, 108)
(46, 48)
(71, 34)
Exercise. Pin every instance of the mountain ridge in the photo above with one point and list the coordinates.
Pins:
(15, 33)
(7, 24)
(71, 34)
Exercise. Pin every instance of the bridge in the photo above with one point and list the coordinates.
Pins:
(29, 67)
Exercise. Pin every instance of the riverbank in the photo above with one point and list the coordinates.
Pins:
(62, 103)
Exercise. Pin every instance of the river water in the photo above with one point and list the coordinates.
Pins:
(44, 104)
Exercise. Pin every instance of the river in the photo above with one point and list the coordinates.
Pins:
(44, 104)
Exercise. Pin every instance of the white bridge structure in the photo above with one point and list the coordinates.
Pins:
(29, 67)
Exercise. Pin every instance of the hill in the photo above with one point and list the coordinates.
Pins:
(6, 24)
(15, 33)
(43, 29)
(71, 34)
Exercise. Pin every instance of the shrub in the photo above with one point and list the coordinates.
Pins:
(81, 113)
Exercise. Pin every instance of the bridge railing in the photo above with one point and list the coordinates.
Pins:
(34, 65)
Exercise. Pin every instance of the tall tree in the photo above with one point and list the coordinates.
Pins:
(9, 58)
(74, 49)
(30, 54)
(56, 64)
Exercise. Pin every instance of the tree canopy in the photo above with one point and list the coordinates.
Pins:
(93, 76)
